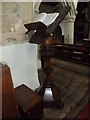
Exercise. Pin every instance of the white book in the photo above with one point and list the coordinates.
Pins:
(45, 18)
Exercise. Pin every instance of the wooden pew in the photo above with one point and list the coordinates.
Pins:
(21, 102)
(9, 105)
(74, 53)
(0, 91)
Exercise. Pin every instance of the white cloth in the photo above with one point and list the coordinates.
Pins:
(22, 60)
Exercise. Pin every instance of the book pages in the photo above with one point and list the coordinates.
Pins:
(40, 17)
(45, 18)
(50, 18)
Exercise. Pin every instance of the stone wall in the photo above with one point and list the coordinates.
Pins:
(0, 22)
(16, 51)
(14, 16)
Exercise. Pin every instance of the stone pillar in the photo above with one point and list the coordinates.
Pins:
(89, 19)
(69, 30)
(69, 21)
(36, 6)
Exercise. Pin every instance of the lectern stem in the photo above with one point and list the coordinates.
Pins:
(48, 65)
(49, 92)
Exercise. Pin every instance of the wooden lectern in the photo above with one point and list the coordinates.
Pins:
(43, 36)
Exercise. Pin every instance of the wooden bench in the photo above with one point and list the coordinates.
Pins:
(30, 103)
(21, 102)
(9, 104)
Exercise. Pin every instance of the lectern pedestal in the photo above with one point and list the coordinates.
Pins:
(49, 92)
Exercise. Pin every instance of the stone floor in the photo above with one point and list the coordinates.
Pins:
(74, 89)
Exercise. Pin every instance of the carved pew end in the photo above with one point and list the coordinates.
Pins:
(30, 103)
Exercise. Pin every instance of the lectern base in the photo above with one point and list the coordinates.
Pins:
(51, 96)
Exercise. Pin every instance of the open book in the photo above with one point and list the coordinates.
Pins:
(45, 24)
(45, 18)
(42, 21)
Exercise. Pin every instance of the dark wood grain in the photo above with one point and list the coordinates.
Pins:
(0, 91)
(19, 103)
(30, 103)
(9, 104)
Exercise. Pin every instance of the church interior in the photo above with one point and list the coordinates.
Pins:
(44, 60)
